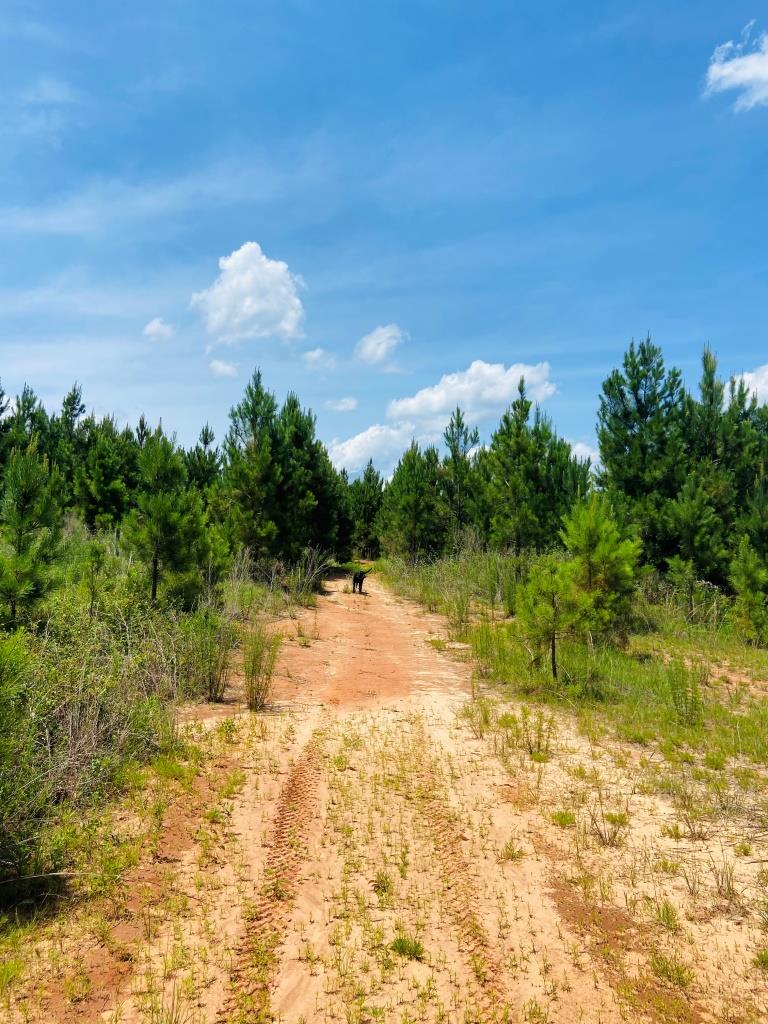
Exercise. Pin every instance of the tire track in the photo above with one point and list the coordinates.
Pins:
(258, 953)
(461, 898)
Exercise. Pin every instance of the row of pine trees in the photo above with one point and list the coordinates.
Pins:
(683, 475)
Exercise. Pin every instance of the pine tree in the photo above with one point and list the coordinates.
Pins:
(549, 608)
(297, 455)
(106, 478)
(413, 519)
(365, 496)
(251, 476)
(459, 478)
(641, 440)
(533, 478)
(749, 578)
(696, 530)
(603, 564)
(203, 463)
(30, 521)
(167, 526)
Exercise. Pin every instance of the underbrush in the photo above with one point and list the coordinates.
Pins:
(460, 587)
(653, 686)
(92, 691)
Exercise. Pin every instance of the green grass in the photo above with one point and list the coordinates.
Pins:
(563, 819)
(671, 970)
(408, 947)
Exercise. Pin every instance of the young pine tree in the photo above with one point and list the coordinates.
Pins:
(603, 565)
(749, 579)
(413, 518)
(30, 521)
(549, 608)
(167, 527)
(365, 498)
(248, 497)
(641, 439)
(460, 484)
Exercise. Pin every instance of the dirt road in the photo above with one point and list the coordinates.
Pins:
(366, 852)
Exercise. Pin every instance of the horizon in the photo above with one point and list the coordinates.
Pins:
(390, 212)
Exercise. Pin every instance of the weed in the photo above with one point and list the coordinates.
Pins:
(667, 916)
(408, 947)
(608, 827)
(761, 959)
(260, 650)
(723, 874)
(563, 819)
(511, 851)
(10, 971)
(672, 970)
(383, 886)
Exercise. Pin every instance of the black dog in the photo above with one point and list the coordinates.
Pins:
(357, 580)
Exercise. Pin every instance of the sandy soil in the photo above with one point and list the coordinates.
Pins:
(381, 848)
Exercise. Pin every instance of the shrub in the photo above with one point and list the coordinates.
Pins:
(260, 650)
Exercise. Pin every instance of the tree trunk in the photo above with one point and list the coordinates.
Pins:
(155, 575)
(553, 653)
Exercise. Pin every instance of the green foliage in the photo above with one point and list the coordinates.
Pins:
(30, 519)
(260, 651)
(460, 480)
(749, 578)
(365, 498)
(641, 438)
(533, 478)
(550, 607)
(167, 527)
(602, 567)
(413, 518)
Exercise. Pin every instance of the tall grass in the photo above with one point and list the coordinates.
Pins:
(260, 651)
(655, 690)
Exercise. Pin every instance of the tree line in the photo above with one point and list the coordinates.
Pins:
(682, 473)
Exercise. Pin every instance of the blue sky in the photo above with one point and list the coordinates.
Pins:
(387, 207)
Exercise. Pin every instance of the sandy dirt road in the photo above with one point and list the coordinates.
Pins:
(364, 853)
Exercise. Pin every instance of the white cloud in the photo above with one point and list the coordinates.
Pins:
(384, 443)
(220, 368)
(341, 404)
(319, 359)
(377, 347)
(742, 67)
(582, 450)
(483, 390)
(253, 297)
(757, 381)
(158, 329)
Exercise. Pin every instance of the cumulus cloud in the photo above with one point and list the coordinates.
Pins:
(742, 67)
(158, 329)
(377, 347)
(341, 404)
(319, 359)
(484, 389)
(757, 381)
(220, 368)
(253, 297)
(582, 450)
(384, 443)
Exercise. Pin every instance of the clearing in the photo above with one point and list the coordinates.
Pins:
(384, 846)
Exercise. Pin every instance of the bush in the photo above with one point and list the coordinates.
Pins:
(207, 643)
(260, 650)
